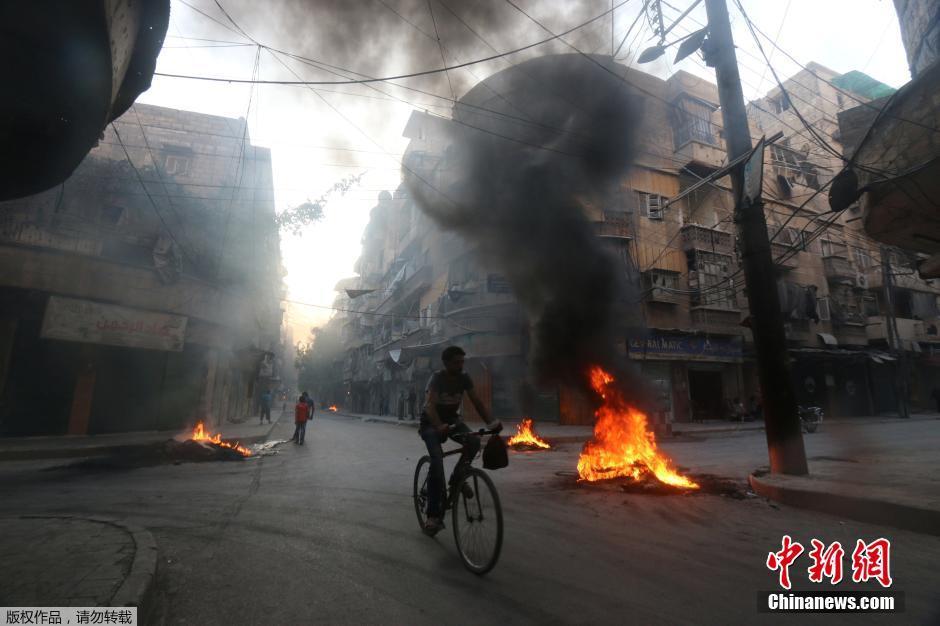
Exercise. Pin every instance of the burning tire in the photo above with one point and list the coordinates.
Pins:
(477, 519)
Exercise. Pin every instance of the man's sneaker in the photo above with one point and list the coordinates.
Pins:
(433, 526)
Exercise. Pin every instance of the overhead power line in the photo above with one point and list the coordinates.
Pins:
(388, 78)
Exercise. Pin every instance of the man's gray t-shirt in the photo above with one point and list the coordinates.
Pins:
(450, 390)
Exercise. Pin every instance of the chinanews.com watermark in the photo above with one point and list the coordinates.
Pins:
(870, 564)
(830, 602)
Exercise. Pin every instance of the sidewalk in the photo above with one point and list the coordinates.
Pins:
(76, 561)
(65, 446)
(883, 487)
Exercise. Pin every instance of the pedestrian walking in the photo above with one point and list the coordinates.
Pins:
(301, 415)
(412, 400)
(267, 398)
(310, 405)
(401, 405)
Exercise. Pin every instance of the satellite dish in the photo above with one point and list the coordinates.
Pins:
(844, 190)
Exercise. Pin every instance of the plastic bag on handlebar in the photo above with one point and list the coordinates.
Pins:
(495, 455)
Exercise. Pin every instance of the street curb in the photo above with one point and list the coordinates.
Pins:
(108, 449)
(137, 588)
(861, 509)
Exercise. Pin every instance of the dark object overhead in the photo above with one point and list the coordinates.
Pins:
(69, 69)
(844, 190)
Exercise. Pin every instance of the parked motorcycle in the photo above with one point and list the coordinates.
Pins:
(810, 418)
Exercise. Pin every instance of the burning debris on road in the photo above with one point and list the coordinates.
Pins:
(623, 445)
(200, 447)
(333, 408)
(201, 435)
(526, 438)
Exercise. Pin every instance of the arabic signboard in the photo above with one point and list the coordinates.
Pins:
(686, 348)
(93, 322)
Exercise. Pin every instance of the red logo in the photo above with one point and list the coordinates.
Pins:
(827, 563)
(872, 560)
(783, 559)
(869, 561)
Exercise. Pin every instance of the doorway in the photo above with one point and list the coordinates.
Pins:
(705, 394)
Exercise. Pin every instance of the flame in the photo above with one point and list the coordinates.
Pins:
(333, 408)
(201, 434)
(622, 444)
(526, 436)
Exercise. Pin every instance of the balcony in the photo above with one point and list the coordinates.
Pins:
(695, 237)
(908, 329)
(662, 296)
(850, 333)
(476, 300)
(409, 283)
(618, 229)
(700, 156)
(785, 257)
(717, 320)
(838, 268)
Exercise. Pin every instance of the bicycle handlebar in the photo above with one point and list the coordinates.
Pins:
(482, 431)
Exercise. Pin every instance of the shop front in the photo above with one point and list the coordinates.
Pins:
(693, 377)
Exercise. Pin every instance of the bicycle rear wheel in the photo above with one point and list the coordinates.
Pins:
(478, 521)
(420, 491)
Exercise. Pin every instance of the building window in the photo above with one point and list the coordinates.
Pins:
(780, 104)
(833, 247)
(692, 119)
(660, 281)
(111, 215)
(652, 204)
(822, 307)
(711, 277)
(176, 165)
(790, 237)
(862, 259)
(790, 165)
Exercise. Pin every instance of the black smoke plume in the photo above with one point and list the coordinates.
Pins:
(529, 152)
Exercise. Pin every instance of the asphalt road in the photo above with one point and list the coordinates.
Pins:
(326, 533)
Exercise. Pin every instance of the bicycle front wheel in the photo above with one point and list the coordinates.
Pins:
(420, 491)
(478, 521)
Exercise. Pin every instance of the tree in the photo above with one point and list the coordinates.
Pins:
(295, 218)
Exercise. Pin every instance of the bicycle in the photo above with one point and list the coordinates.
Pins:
(477, 516)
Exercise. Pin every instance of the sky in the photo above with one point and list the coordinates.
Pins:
(322, 135)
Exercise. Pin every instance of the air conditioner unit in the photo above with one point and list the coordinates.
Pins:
(861, 280)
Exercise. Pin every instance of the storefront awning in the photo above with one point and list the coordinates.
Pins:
(828, 339)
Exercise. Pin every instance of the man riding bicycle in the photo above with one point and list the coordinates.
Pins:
(440, 419)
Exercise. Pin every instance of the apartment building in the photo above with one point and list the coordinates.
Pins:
(142, 293)
(674, 240)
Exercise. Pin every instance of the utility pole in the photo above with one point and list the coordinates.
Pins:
(894, 339)
(782, 422)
